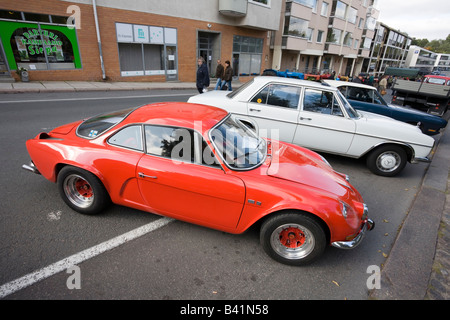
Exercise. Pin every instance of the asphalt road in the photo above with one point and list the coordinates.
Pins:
(178, 260)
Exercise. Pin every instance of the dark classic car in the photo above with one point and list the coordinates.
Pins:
(366, 98)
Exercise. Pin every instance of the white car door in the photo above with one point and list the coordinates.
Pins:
(322, 123)
(275, 109)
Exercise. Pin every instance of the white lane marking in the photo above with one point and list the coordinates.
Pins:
(41, 274)
(99, 98)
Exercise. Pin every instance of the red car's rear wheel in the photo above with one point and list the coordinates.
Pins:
(82, 190)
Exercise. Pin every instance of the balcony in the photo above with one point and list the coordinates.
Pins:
(243, 13)
(233, 8)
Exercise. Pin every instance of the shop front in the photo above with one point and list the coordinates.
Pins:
(39, 46)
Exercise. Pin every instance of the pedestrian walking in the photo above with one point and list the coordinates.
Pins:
(202, 76)
(219, 75)
(382, 86)
(228, 75)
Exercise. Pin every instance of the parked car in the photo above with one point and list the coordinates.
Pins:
(366, 98)
(318, 117)
(199, 164)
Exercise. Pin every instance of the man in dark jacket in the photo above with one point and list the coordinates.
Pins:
(228, 76)
(202, 76)
(219, 74)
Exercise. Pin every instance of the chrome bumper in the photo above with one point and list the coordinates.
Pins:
(369, 225)
(417, 160)
(31, 167)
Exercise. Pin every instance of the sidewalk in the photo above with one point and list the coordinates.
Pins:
(418, 265)
(72, 86)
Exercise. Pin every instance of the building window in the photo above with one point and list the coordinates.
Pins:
(247, 55)
(324, 11)
(296, 27)
(147, 50)
(361, 23)
(348, 39)
(319, 36)
(334, 36)
(340, 9)
(308, 3)
(310, 34)
(40, 46)
(352, 15)
(263, 2)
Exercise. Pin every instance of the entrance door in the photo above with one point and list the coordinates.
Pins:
(171, 63)
(208, 47)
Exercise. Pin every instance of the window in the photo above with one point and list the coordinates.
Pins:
(278, 95)
(178, 144)
(310, 34)
(296, 27)
(129, 137)
(147, 50)
(348, 39)
(40, 46)
(321, 102)
(247, 55)
(324, 10)
(362, 94)
(361, 23)
(319, 36)
(340, 10)
(334, 36)
(351, 15)
(95, 126)
(238, 146)
(371, 23)
(264, 2)
(308, 3)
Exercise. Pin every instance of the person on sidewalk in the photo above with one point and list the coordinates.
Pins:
(202, 76)
(219, 75)
(228, 76)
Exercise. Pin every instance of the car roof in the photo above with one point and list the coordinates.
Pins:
(178, 114)
(336, 83)
(309, 83)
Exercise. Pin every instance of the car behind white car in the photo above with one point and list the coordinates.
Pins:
(318, 117)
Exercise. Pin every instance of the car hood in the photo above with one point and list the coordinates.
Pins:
(422, 114)
(383, 127)
(294, 164)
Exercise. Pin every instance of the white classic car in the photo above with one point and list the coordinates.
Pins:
(318, 117)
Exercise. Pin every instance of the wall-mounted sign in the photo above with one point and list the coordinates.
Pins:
(141, 34)
(124, 32)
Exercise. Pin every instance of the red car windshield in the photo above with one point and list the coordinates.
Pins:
(95, 126)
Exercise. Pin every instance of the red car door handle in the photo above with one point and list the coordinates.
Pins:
(141, 175)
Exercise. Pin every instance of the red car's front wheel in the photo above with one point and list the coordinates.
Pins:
(293, 238)
(82, 191)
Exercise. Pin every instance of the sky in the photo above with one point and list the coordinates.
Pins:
(421, 19)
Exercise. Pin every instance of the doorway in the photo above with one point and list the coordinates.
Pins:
(208, 47)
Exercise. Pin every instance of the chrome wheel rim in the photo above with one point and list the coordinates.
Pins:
(388, 161)
(292, 241)
(78, 191)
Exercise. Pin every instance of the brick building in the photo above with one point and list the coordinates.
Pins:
(140, 40)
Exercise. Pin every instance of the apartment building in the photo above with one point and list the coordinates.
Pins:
(321, 36)
(422, 59)
(139, 40)
(389, 48)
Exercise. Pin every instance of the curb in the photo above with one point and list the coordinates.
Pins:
(407, 270)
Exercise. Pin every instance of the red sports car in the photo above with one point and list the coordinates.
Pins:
(202, 165)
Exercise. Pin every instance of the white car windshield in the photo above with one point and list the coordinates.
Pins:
(352, 113)
(239, 146)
